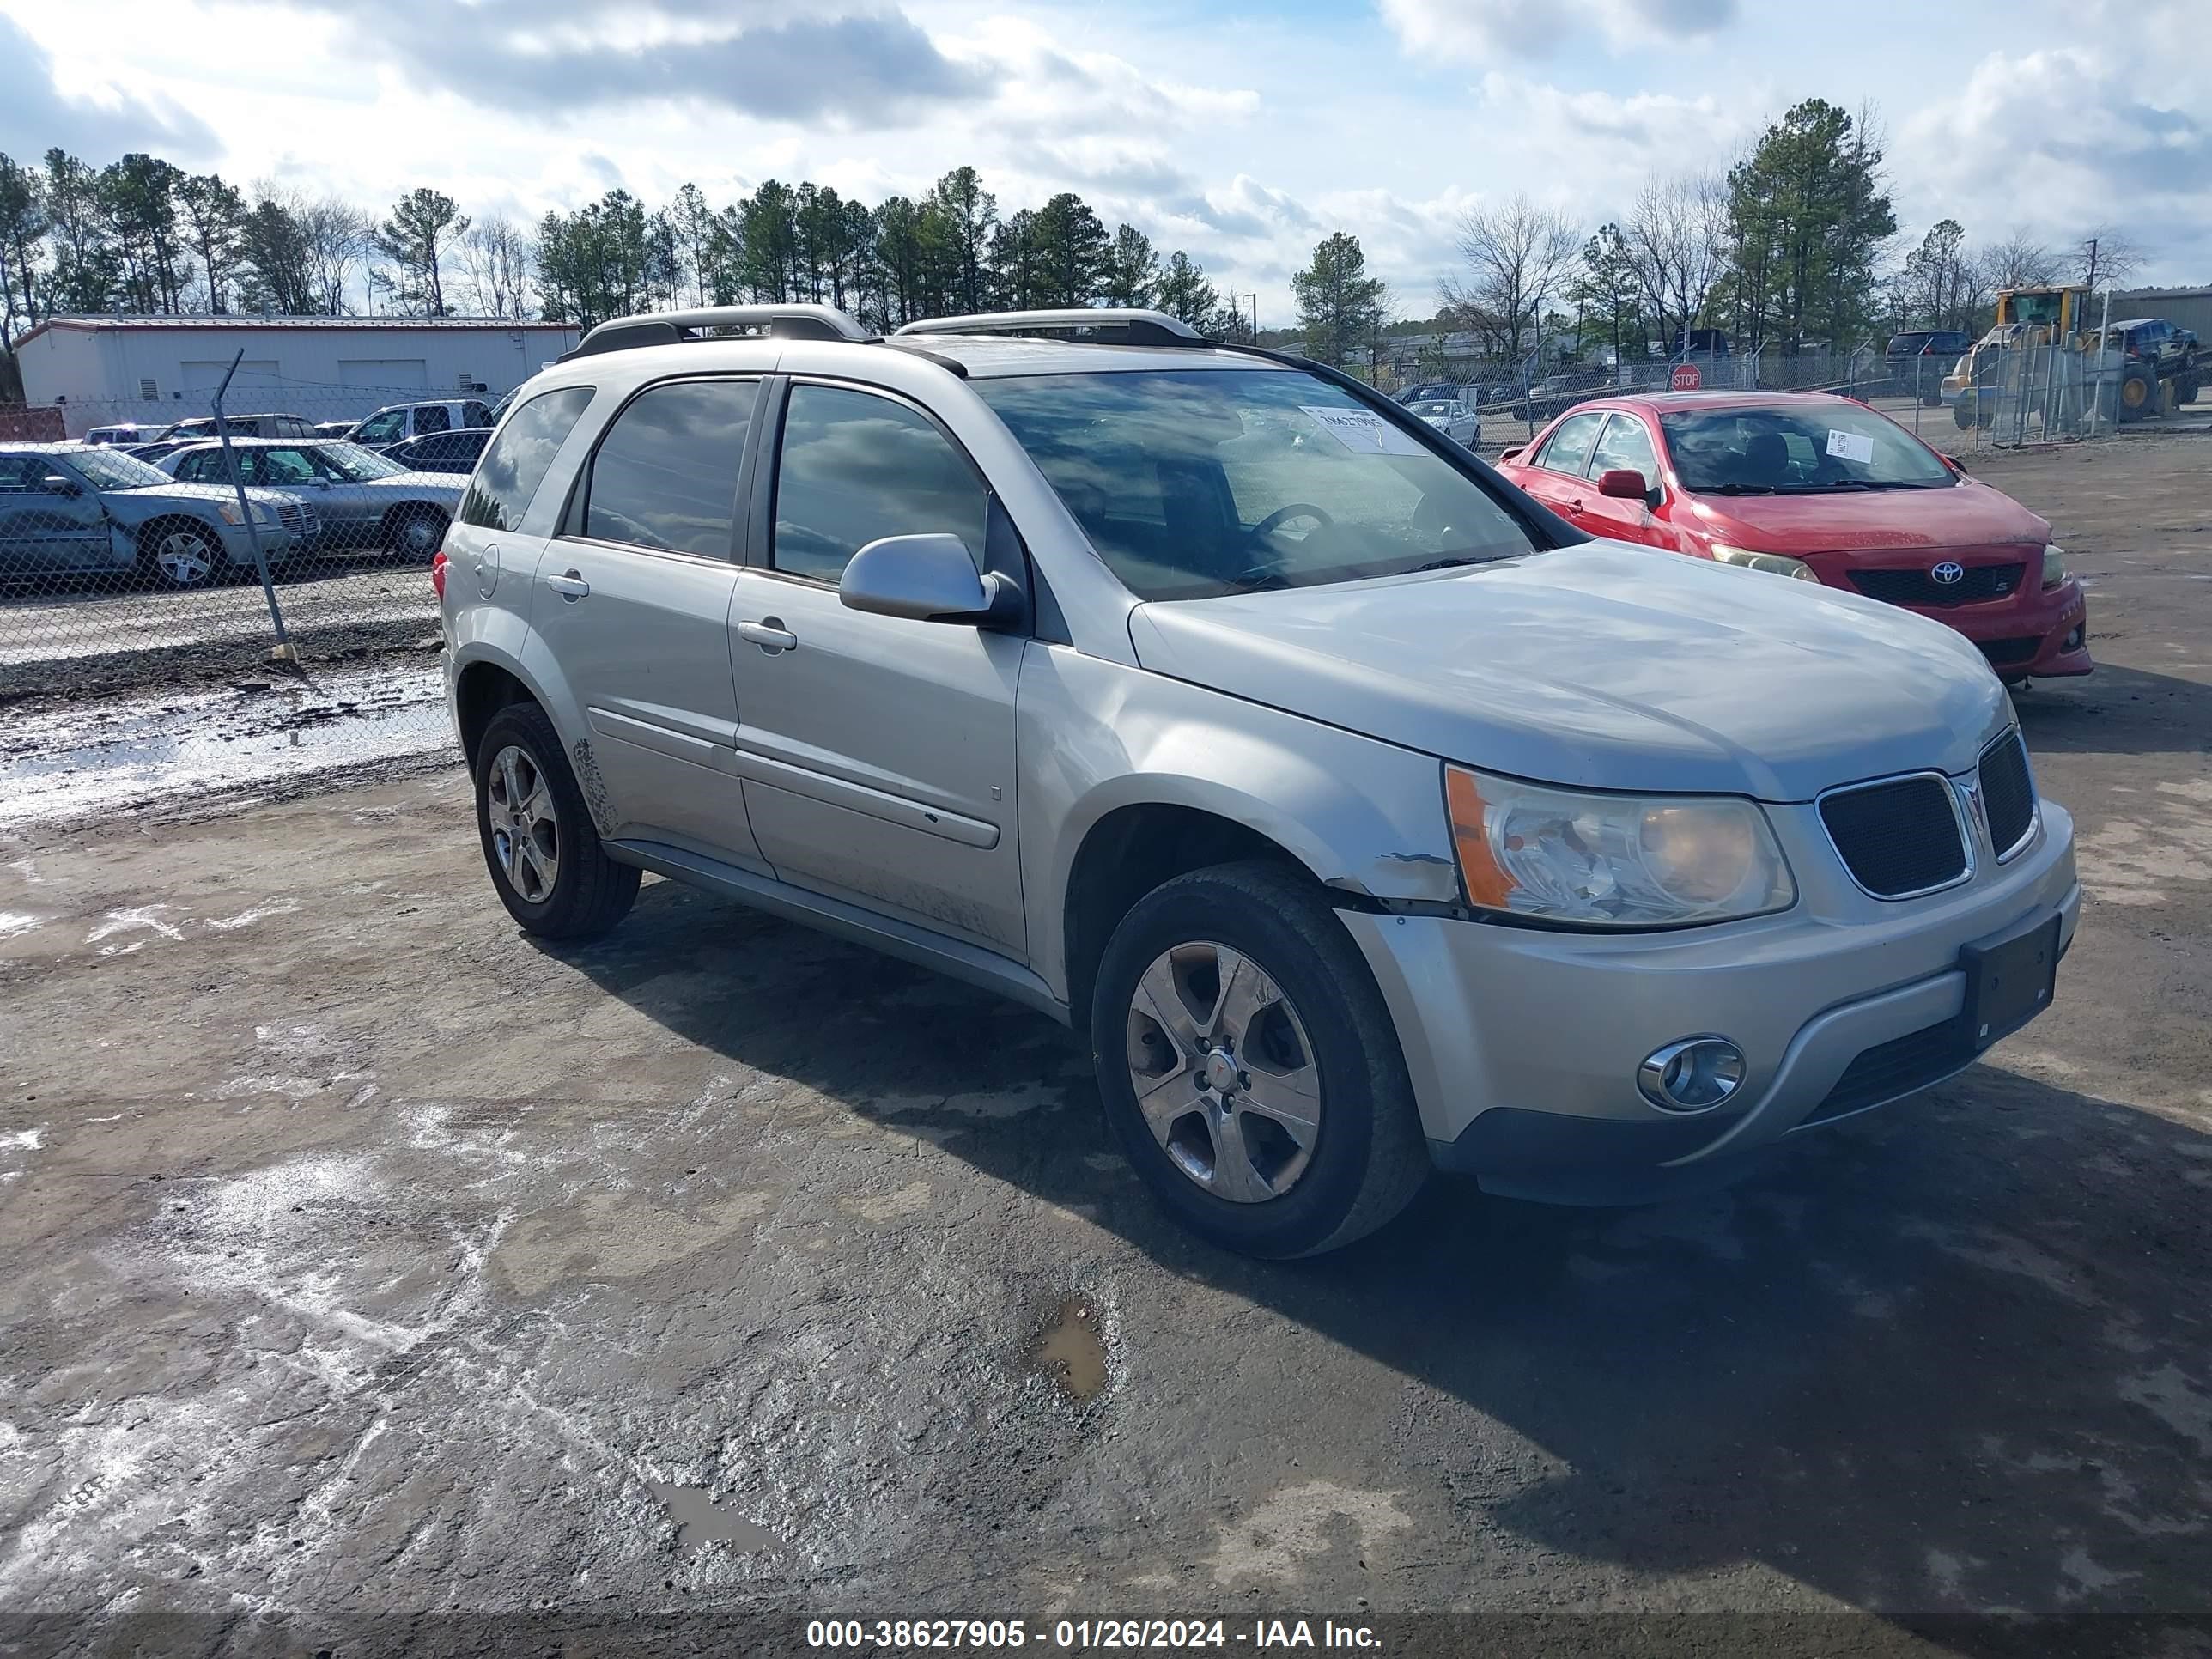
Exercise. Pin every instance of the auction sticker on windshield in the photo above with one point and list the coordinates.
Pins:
(1850, 446)
(1363, 430)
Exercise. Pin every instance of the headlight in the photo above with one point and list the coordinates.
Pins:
(228, 512)
(1613, 861)
(2054, 565)
(1778, 563)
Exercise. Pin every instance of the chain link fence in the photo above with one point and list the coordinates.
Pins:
(139, 651)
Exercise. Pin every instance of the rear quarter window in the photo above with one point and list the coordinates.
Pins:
(518, 460)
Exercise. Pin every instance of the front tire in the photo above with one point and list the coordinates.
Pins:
(415, 532)
(540, 843)
(181, 554)
(1249, 1065)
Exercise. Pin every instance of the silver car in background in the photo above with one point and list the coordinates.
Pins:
(81, 507)
(1450, 416)
(362, 499)
(1364, 816)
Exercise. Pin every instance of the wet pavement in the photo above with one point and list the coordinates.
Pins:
(371, 1267)
(69, 760)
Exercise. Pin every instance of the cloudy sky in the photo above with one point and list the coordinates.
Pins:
(1241, 131)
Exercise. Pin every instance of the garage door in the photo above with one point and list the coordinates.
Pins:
(385, 373)
(250, 376)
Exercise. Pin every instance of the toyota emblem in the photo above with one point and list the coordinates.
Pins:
(1950, 573)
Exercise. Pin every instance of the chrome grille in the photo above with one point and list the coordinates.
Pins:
(2007, 794)
(1899, 837)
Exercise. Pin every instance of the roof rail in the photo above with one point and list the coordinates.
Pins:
(788, 322)
(1109, 325)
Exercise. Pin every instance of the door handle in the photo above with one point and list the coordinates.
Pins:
(571, 586)
(770, 634)
(1575, 505)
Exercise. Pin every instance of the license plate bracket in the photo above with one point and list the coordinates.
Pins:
(2010, 979)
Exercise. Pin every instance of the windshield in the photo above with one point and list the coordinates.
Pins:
(354, 465)
(1432, 406)
(1193, 483)
(1793, 449)
(111, 469)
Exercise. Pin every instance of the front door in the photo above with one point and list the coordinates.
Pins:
(878, 752)
(1625, 446)
(42, 529)
(633, 602)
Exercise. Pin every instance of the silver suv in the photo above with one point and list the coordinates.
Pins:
(1364, 816)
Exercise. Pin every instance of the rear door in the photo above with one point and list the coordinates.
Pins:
(633, 602)
(1554, 473)
(878, 752)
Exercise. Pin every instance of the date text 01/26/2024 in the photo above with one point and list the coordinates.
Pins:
(1085, 1635)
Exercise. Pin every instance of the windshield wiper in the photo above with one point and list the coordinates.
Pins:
(1843, 483)
(1740, 490)
(1452, 561)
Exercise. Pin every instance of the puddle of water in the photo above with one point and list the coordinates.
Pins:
(78, 763)
(698, 1522)
(1072, 1351)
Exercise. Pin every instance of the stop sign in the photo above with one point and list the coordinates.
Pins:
(1685, 378)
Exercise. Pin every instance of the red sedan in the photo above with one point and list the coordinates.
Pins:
(1823, 489)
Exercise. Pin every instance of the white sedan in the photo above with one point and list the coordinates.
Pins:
(1451, 417)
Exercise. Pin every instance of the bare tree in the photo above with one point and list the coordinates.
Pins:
(1517, 256)
(337, 239)
(1676, 240)
(2105, 258)
(496, 259)
(2019, 261)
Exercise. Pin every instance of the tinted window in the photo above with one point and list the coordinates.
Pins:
(1626, 445)
(1193, 483)
(1568, 449)
(476, 415)
(22, 471)
(431, 417)
(518, 460)
(279, 467)
(856, 468)
(666, 473)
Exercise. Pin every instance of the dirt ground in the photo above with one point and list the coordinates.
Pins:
(380, 1280)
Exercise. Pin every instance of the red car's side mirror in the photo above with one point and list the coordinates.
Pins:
(1512, 455)
(1624, 483)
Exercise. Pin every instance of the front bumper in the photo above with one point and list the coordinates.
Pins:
(1522, 1044)
(2033, 633)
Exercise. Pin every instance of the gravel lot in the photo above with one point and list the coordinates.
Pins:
(380, 1280)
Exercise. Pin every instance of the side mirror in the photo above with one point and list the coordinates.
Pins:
(925, 579)
(1512, 455)
(1624, 483)
(54, 484)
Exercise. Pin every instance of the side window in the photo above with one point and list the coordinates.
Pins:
(1626, 445)
(517, 464)
(194, 468)
(430, 417)
(284, 466)
(475, 414)
(855, 468)
(381, 429)
(666, 475)
(21, 472)
(1568, 449)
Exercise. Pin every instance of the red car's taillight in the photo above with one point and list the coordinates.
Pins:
(438, 563)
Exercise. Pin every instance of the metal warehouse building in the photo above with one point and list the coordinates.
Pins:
(2185, 307)
(101, 370)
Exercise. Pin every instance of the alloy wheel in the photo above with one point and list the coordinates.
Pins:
(183, 559)
(1224, 1075)
(524, 833)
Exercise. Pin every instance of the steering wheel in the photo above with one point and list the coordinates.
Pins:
(1281, 516)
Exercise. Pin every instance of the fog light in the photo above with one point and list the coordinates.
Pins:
(2073, 640)
(1694, 1075)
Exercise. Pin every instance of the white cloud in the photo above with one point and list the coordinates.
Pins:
(1480, 30)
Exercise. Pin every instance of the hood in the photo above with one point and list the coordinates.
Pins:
(1968, 515)
(154, 494)
(1604, 666)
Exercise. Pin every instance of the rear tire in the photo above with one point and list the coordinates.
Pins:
(1328, 1145)
(540, 843)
